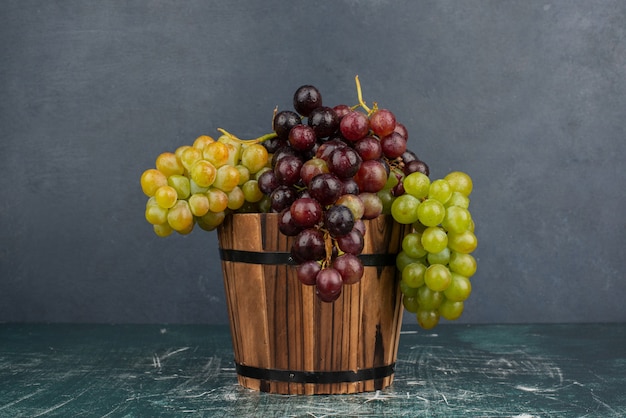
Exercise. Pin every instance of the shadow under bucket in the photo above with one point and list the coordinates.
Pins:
(285, 339)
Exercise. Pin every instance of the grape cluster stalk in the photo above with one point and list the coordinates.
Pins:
(324, 170)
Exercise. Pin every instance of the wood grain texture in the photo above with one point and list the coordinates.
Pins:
(279, 324)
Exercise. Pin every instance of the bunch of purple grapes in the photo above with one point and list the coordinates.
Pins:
(331, 168)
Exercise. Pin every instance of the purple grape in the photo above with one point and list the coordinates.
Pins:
(308, 245)
(338, 220)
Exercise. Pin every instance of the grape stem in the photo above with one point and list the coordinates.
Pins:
(258, 140)
(360, 97)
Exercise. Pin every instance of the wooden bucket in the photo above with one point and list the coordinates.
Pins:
(285, 339)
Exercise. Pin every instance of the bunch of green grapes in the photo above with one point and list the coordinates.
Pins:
(436, 262)
(199, 184)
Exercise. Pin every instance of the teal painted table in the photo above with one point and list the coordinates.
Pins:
(182, 370)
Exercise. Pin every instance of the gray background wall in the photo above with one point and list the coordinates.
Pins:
(529, 97)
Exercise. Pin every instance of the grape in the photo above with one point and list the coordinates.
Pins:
(282, 197)
(429, 299)
(372, 205)
(236, 198)
(326, 188)
(349, 267)
(287, 170)
(286, 224)
(354, 126)
(460, 182)
(427, 319)
(306, 98)
(308, 245)
(464, 242)
(464, 264)
(203, 173)
(312, 168)
(189, 156)
(251, 191)
(283, 122)
(342, 110)
(352, 242)
(166, 196)
(393, 145)
(410, 303)
(180, 217)
(440, 190)
(417, 184)
(371, 176)
(456, 219)
(369, 148)
(451, 310)
(459, 288)
(458, 199)
(162, 230)
(307, 272)
(328, 284)
(181, 184)
(401, 129)
(306, 212)
(226, 178)
(254, 157)
(324, 121)
(151, 180)
(383, 122)
(442, 257)
(338, 220)
(211, 220)
(218, 200)
(198, 204)
(434, 239)
(202, 141)
(344, 162)
(326, 148)
(403, 260)
(350, 186)
(416, 166)
(412, 245)
(169, 164)
(437, 277)
(302, 138)
(354, 203)
(244, 174)
(431, 212)
(155, 214)
(268, 182)
(408, 291)
(413, 274)
(404, 209)
(217, 153)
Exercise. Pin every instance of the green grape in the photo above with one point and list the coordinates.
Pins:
(451, 310)
(464, 242)
(265, 204)
(407, 290)
(244, 174)
(216, 153)
(211, 220)
(202, 141)
(410, 303)
(412, 245)
(155, 213)
(457, 219)
(151, 180)
(169, 164)
(354, 203)
(437, 277)
(166, 196)
(442, 257)
(431, 212)
(459, 289)
(218, 200)
(202, 172)
(427, 319)
(458, 199)
(392, 181)
(440, 190)
(463, 264)
(417, 184)
(403, 260)
(460, 182)
(404, 209)
(162, 230)
(251, 191)
(199, 204)
(181, 184)
(434, 239)
(386, 198)
(190, 156)
(226, 178)
(254, 157)
(428, 298)
(194, 188)
(180, 217)
(413, 274)
(236, 198)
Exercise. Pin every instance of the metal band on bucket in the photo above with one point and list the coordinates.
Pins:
(319, 377)
(269, 258)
